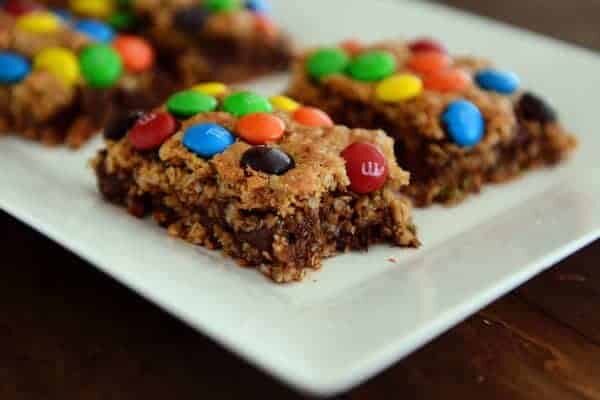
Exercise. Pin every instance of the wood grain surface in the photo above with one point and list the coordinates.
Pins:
(69, 332)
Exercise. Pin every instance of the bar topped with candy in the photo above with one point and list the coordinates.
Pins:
(200, 40)
(273, 183)
(60, 77)
(457, 122)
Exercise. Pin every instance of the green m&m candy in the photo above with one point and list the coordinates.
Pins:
(190, 102)
(221, 5)
(242, 103)
(327, 61)
(101, 65)
(122, 20)
(372, 66)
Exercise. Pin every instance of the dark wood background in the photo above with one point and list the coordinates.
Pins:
(69, 332)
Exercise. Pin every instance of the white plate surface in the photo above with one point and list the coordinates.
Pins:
(361, 312)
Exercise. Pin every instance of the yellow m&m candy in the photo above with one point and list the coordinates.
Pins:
(398, 88)
(93, 8)
(284, 103)
(211, 88)
(39, 22)
(60, 62)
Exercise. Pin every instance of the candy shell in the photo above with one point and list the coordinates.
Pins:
(207, 139)
(398, 88)
(284, 103)
(189, 103)
(60, 62)
(258, 6)
(39, 22)
(447, 80)
(270, 160)
(242, 103)
(464, 123)
(311, 116)
(93, 8)
(152, 130)
(366, 167)
(327, 61)
(137, 54)
(95, 30)
(100, 65)
(372, 66)
(216, 6)
(211, 88)
(427, 44)
(427, 62)
(494, 80)
(260, 128)
(13, 67)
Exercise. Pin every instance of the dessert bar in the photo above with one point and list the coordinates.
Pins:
(274, 184)
(218, 40)
(457, 122)
(60, 79)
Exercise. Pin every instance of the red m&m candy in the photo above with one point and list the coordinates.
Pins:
(366, 167)
(151, 130)
(427, 44)
(311, 116)
(20, 7)
(260, 128)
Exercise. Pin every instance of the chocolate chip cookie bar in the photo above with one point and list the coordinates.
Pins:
(457, 122)
(60, 79)
(274, 184)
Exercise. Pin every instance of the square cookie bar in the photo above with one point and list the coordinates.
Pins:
(221, 40)
(60, 79)
(272, 183)
(457, 122)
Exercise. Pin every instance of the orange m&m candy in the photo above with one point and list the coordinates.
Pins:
(265, 25)
(427, 62)
(311, 116)
(260, 128)
(447, 80)
(137, 53)
(352, 45)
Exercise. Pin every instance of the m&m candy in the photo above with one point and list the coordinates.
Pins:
(221, 5)
(189, 103)
(190, 19)
(265, 25)
(100, 65)
(447, 80)
(270, 160)
(19, 7)
(352, 45)
(211, 88)
(207, 139)
(137, 54)
(398, 88)
(258, 6)
(93, 8)
(39, 22)
(366, 167)
(372, 66)
(60, 62)
(151, 130)
(464, 123)
(427, 62)
(119, 124)
(533, 108)
(122, 20)
(325, 62)
(13, 67)
(427, 44)
(260, 128)
(284, 103)
(498, 81)
(95, 30)
(311, 116)
(242, 103)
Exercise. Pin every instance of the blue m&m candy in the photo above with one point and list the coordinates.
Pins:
(464, 123)
(258, 6)
(498, 81)
(95, 30)
(13, 67)
(207, 139)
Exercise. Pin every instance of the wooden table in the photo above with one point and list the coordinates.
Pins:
(69, 332)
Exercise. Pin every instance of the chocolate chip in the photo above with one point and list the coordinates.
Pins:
(190, 19)
(533, 108)
(262, 238)
(270, 160)
(118, 126)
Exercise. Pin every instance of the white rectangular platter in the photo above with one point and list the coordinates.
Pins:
(362, 312)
